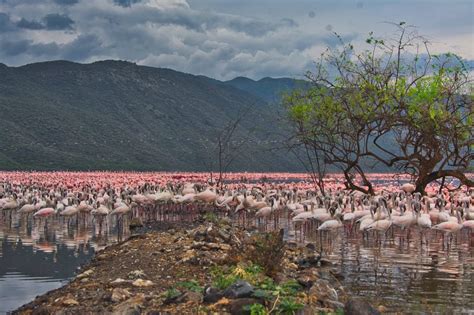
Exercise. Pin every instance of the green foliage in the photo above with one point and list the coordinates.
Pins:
(222, 279)
(283, 294)
(210, 217)
(191, 285)
(172, 293)
(289, 305)
(383, 106)
(256, 309)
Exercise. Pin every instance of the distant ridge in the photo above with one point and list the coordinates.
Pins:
(269, 89)
(116, 115)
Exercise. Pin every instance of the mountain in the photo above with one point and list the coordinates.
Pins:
(115, 115)
(269, 89)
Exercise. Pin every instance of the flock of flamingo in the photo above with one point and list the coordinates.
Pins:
(263, 200)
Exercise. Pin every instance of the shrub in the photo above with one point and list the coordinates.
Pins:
(288, 305)
(191, 285)
(267, 250)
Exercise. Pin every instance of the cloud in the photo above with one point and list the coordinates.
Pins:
(13, 48)
(30, 25)
(221, 39)
(125, 3)
(5, 23)
(56, 21)
(66, 2)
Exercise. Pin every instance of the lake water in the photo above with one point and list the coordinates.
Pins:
(39, 256)
(408, 277)
(404, 276)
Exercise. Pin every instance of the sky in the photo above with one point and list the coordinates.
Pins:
(222, 39)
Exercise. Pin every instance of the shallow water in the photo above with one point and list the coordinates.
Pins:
(39, 256)
(405, 276)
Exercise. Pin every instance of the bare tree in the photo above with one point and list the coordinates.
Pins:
(227, 144)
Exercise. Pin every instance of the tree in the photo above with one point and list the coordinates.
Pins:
(226, 147)
(311, 160)
(394, 104)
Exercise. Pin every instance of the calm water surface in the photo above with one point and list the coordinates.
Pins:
(406, 277)
(39, 256)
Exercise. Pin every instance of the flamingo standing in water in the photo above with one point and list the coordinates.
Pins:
(450, 227)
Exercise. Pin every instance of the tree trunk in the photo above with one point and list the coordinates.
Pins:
(423, 181)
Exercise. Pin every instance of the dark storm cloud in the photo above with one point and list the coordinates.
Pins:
(66, 2)
(56, 22)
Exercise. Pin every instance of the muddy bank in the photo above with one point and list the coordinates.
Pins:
(201, 268)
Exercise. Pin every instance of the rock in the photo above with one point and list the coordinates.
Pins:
(359, 307)
(119, 294)
(382, 309)
(242, 306)
(191, 253)
(309, 261)
(224, 235)
(225, 247)
(119, 281)
(225, 222)
(131, 306)
(280, 277)
(311, 246)
(308, 277)
(212, 295)
(198, 245)
(142, 283)
(136, 274)
(199, 234)
(192, 297)
(42, 310)
(172, 231)
(69, 302)
(335, 305)
(213, 246)
(323, 291)
(240, 289)
(85, 274)
(136, 223)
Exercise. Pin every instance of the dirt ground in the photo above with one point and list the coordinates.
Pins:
(171, 271)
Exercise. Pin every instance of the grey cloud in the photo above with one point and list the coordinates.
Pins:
(52, 22)
(125, 3)
(30, 25)
(6, 24)
(81, 48)
(288, 22)
(331, 40)
(13, 48)
(56, 21)
(66, 2)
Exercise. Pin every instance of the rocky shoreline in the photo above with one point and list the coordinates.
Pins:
(205, 268)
